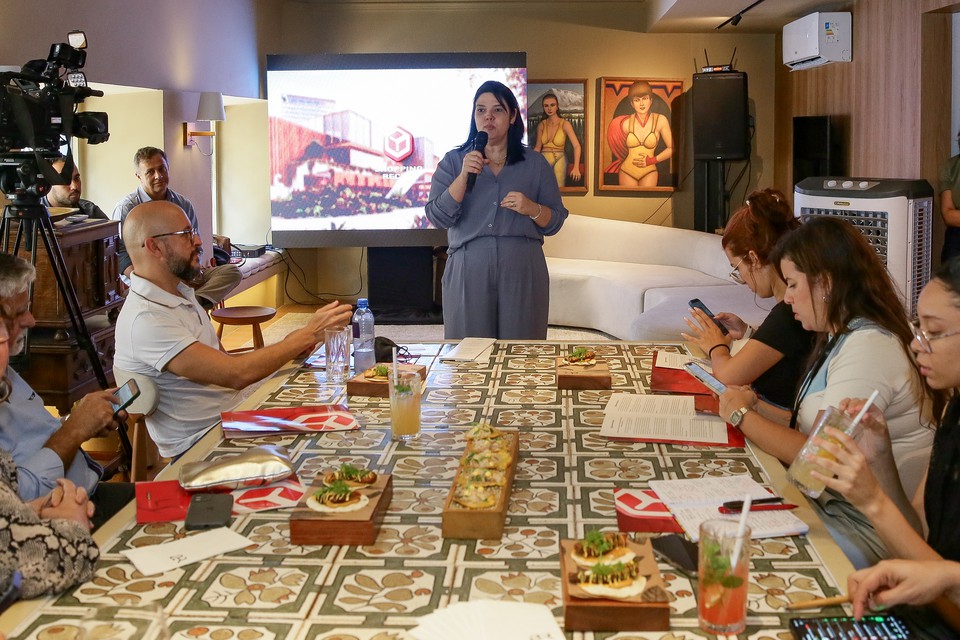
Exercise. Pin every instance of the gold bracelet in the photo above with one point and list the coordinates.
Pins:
(539, 213)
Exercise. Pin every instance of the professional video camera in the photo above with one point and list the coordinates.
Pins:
(38, 115)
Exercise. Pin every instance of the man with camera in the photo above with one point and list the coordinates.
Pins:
(43, 447)
(213, 283)
(68, 195)
(162, 333)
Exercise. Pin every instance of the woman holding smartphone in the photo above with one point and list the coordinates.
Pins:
(837, 287)
(773, 360)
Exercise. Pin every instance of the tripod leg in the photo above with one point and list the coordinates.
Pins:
(59, 269)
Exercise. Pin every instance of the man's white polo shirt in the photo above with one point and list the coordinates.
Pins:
(153, 327)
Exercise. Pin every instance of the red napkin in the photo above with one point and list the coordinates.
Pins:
(161, 501)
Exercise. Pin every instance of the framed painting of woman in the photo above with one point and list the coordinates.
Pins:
(556, 128)
(637, 139)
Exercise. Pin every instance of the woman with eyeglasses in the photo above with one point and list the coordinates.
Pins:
(936, 501)
(837, 287)
(774, 359)
(46, 540)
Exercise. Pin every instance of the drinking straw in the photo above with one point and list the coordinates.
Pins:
(863, 411)
(396, 368)
(741, 529)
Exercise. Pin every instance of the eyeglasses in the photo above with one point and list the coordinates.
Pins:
(735, 273)
(924, 339)
(186, 232)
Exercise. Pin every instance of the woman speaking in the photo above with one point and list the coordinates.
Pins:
(497, 202)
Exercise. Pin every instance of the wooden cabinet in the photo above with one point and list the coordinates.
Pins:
(56, 366)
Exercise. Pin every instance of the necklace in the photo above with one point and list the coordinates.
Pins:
(498, 163)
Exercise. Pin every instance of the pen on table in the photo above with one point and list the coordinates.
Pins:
(773, 503)
(818, 603)
(784, 506)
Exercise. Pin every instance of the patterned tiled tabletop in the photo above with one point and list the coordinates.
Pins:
(564, 485)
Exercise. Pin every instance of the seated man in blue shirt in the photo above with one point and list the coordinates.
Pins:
(43, 447)
(212, 283)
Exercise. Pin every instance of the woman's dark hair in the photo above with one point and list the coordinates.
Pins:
(759, 224)
(948, 273)
(506, 99)
(554, 96)
(829, 250)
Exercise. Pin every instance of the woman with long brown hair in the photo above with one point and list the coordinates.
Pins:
(837, 287)
(774, 358)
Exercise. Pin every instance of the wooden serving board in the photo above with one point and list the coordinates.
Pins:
(594, 376)
(352, 527)
(649, 611)
(481, 524)
(358, 385)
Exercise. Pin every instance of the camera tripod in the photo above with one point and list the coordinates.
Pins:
(35, 221)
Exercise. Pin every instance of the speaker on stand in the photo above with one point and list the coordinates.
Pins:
(720, 132)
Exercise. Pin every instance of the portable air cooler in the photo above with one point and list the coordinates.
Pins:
(896, 216)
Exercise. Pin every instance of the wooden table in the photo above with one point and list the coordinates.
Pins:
(564, 486)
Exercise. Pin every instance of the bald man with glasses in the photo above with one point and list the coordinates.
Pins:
(164, 334)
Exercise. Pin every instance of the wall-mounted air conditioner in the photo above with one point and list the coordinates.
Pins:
(818, 39)
(895, 216)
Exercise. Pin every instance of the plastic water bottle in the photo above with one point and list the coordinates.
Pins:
(363, 336)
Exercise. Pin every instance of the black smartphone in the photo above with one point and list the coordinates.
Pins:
(882, 627)
(699, 305)
(126, 394)
(209, 511)
(676, 551)
(697, 371)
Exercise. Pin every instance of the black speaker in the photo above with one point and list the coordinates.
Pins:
(720, 116)
(816, 147)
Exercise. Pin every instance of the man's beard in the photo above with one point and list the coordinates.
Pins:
(67, 201)
(184, 268)
(16, 347)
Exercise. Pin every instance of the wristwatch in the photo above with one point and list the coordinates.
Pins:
(737, 416)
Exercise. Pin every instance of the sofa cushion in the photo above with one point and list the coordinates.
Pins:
(586, 238)
(609, 296)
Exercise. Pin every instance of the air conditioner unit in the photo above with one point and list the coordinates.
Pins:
(817, 39)
(896, 216)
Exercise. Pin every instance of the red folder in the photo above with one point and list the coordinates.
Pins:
(665, 380)
(642, 510)
(306, 419)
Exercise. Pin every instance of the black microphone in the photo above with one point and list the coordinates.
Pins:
(479, 144)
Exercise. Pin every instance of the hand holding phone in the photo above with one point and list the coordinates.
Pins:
(126, 395)
(696, 304)
(697, 371)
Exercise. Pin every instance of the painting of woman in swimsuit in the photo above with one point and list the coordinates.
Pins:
(637, 150)
(556, 129)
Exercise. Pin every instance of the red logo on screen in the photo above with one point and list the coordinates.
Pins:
(398, 145)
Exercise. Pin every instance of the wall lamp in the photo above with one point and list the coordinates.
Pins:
(210, 110)
(735, 19)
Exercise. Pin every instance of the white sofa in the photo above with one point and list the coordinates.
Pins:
(633, 280)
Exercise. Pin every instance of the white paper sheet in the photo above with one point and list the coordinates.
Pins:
(159, 558)
(674, 360)
(664, 417)
(470, 349)
(697, 499)
(493, 619)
